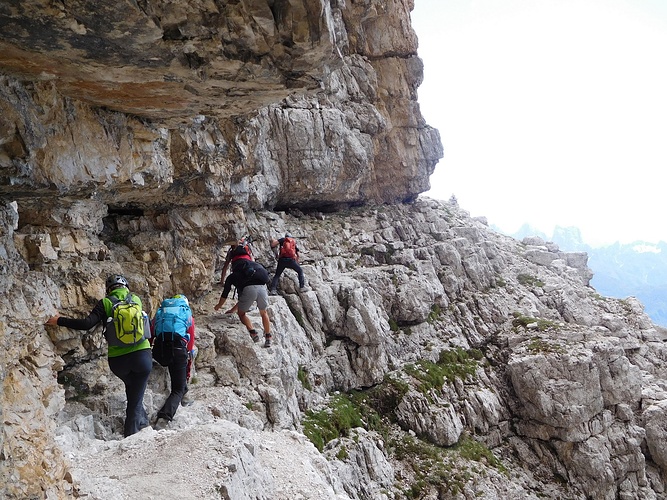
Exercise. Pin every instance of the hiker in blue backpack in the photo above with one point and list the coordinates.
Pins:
(173, 330)
(250, 279)
(288, 257)
(129, 353)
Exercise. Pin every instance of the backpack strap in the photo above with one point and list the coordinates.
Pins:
(113, 300)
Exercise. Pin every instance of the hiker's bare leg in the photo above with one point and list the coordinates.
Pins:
(265, 321)
(245, 320)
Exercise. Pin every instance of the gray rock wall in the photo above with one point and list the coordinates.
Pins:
(258, 103)
(391, 288)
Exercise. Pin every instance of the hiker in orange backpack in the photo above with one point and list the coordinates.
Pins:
(237, 251)
(288, 256)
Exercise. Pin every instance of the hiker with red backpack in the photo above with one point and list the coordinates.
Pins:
(173, 329)
(127, 331)
(288, 257)
(250, 279)
(237, 251)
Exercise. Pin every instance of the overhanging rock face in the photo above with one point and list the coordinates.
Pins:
(259, 103)
(169, 61)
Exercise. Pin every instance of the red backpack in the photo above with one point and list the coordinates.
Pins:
(241, 251)
(288, 249)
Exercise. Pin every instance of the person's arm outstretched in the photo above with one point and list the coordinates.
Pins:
(94, 317)
(225, 291)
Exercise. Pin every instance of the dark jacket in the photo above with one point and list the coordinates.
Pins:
(245, 273)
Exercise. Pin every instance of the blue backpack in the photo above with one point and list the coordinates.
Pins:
(173, 317)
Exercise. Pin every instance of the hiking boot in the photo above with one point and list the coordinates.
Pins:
(186, 400)
(161, 424)
(254, 336)
(273, 292)
(267, 341)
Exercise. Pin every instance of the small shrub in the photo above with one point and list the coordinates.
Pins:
(471, 449)
(538, 345)
(334, 421)
(370, 409)
(302, 375)
(476, 354)
(528, 280)
(382, 399)
(452, 364)
(342, 454)
(541, 324)
(409, 448)
(434, 467)
(434, 314)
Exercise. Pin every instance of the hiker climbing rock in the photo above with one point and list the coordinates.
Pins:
(250, 279)
(237, 251)
(288, 257)
(173, 330)
(127, 330)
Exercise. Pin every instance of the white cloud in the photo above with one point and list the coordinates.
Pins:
(550, 112)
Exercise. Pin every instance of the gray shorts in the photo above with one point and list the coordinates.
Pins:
(252, 293)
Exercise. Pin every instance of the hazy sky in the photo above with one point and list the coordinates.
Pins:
(551, 112)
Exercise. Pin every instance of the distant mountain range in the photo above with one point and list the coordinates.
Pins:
(637, 269)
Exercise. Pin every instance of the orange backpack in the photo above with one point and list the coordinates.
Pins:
(288, 249)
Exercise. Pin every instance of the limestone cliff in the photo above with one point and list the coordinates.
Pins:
(430, 357)
(262, 103)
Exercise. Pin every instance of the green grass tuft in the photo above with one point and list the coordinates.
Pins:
(302, 375)
(434, 314)
(452, 364)
(528, 280)
(335, 421)
(541, 324)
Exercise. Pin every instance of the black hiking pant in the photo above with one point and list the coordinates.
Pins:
(177, 364)
(133, 369)
(285, 262)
